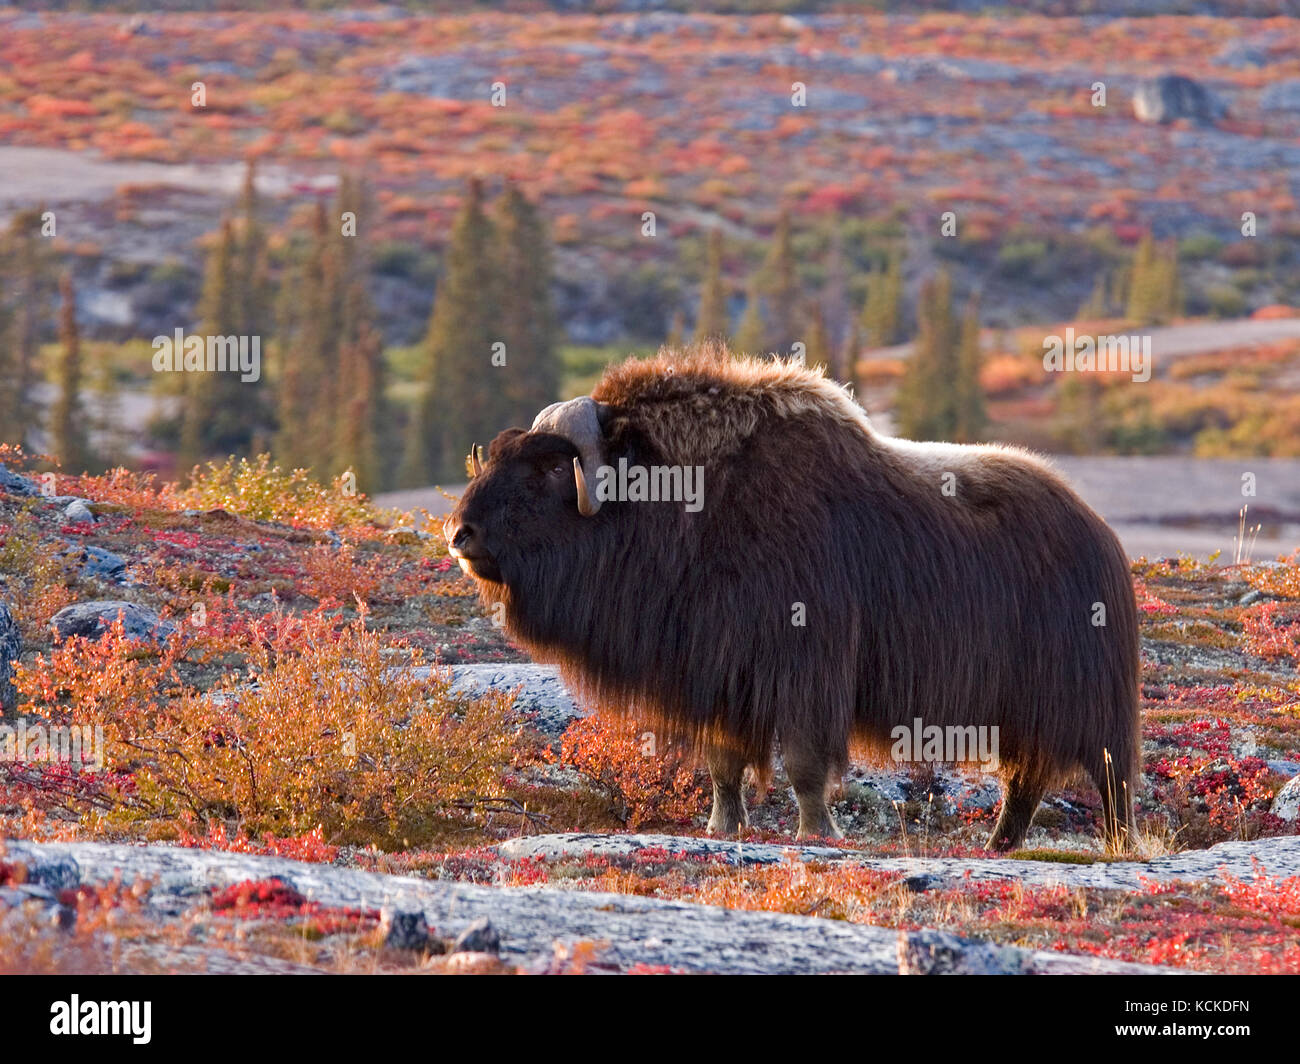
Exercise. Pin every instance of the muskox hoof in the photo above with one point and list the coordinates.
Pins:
(726, 826)
(1003, 844)
(823, 828)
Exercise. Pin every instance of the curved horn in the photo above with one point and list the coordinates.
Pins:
(475, 461)
(587, 506)
(578, 421)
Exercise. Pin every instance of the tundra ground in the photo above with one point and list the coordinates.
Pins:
(280, 718)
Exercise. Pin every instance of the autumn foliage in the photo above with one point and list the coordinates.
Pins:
(643, 783)
(317, 729)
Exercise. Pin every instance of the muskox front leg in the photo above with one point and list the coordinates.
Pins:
(727, 768)
(808, 768)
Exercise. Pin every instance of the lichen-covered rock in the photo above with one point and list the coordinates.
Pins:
(479, 937)
(103, 564)
(942, 953)
(404, 930)
(92, 619)
(542, 696)
(11, 646)
(1279, 855)
(77, 512)
(633, 930)
(56, 874)
(1281, 96)
(1171, 97)
(16, 484)
(1286, 803)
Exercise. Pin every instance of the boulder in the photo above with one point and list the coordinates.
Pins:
(544, 923)
(103, 564)
(92, 619)
(1281, 96)
(1171, 97)
(404, 930)
(11, 645)
(15, 484)
(1242, 55)
(542, 694)
(479, 937)
(1286, 803)
(77, 512)
(929, 952)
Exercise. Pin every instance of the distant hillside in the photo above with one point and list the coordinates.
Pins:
(1124, 8)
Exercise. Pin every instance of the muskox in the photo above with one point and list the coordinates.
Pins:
(835, 585)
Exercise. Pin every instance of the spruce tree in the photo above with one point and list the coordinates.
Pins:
(360, 428)
(971, 416)
(361, 411)
(253, 301)
(27, 285)
(298, 370)
(817, 346)
(526, 319)
(310, 328)
(926, 402)
(851, 351)
(835, 310)
(461, 404)
(1095, 307)
(1079, 413)
(68, 417)
(676, 336)
(223, 414)
(881, 320)
(213, 419)
(1146, 294)
(1172, 290)
(11, 399)
(713, 322)
(751, 334)
(779, 288)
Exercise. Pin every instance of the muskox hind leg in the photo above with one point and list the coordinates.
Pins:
(727, 768)
(808, 769)
(1020, 800)
(1116, 802)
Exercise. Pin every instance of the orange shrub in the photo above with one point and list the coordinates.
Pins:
(1007, 373)
(643, 783)
(1273, 630)
(319, 729)
(343, 573)
(264, 492)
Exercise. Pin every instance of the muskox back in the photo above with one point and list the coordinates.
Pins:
(836, 585)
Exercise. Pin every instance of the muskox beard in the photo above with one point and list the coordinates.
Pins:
(554, 601)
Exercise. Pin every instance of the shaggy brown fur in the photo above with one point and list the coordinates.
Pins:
(976, 609)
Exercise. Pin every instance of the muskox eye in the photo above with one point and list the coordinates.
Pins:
(558, 471)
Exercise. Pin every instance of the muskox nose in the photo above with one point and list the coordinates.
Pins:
(464, 537)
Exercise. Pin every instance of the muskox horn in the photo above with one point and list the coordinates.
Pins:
(578, 421)
(475, 462)
(587, 506)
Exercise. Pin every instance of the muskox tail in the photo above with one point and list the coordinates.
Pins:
(1115, 773)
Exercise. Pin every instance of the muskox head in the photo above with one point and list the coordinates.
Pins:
(534, 494)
